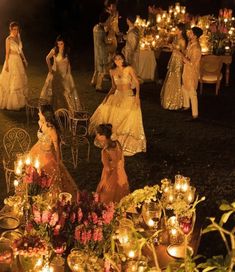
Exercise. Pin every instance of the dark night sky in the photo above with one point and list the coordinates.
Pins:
(43, 20)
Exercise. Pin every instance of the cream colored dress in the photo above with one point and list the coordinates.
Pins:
(121, 111)
(171, 93)
(14, 83)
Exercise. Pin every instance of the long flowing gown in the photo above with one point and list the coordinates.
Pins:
(113, 185)
(59, 88)
(121, 111)
(14, 83)
(44, 151)
(171, 93)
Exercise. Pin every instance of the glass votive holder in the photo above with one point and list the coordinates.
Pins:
(190, 194)
(65, 198)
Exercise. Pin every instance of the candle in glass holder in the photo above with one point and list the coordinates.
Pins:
(183, 9)
(159, 18)
(185, 184)
(170, 195)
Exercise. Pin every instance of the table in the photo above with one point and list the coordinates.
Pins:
(146, 65)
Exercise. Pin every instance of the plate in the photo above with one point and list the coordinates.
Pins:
(177, 251)
(12, 234)
(9, 222)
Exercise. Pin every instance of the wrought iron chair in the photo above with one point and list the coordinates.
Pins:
(210, 72)
(15, 141)
(63, 119)
(81, 118)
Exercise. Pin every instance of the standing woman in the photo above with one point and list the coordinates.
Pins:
(113, 185)
(13, 79)
(121, 108)
(59, 88)
(171, 93)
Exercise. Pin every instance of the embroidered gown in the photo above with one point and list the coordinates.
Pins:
(113, 185)
(171, 93)
(14, 83)
(44, 151)
(121, 111)
(59, 88)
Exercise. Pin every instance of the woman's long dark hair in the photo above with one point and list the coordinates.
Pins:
(125, 64)
(182, 27)
(66, 47)
(48, 112)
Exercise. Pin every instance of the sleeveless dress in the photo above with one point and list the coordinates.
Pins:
(121, 111)
(59, 88)
(44, 151)
(14, 83)
(171, 93)
(113, 185)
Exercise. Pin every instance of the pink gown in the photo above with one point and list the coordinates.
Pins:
(44, 151)
(113, 185)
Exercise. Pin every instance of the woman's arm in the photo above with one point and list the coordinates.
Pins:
(7, 54)
(113, 87)
(55, 142)
(48, 59)
(137, 84)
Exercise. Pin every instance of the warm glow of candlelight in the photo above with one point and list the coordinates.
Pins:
(16, 183)
(18, 171)
(28, 160)
(131, 254)
(150, 223)
(37, 164)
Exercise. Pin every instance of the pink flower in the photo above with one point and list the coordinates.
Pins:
(77, 233)
(54, 219)
(37, 216)
(80, 214)
(97, 234)
(46, 215)
(57, 230)
(94, 217)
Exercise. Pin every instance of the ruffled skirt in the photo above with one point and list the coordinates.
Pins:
(121, 111)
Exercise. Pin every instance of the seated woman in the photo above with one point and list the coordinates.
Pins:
(47, 151)
(121, 108)
(113, 185)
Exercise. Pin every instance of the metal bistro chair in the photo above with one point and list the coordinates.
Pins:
(210, 72)
(81, 118)
(15, 141)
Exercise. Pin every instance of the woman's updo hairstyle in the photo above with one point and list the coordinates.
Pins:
(14, 24)
(105, 129)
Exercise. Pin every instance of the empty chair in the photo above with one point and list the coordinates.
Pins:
(15, 141)
(63, 120)
(210, 71)
(79, 117)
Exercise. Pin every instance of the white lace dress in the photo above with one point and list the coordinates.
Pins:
(13, 83)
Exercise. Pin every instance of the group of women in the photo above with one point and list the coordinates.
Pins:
(117, 122)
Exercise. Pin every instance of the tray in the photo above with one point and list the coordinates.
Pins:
(9, 222)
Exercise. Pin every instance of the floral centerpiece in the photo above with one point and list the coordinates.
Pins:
(93, 223)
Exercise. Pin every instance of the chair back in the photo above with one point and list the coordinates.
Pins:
(15, 141)
(211, 66)
(63, 120)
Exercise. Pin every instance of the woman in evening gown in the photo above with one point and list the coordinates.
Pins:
(13, 79)
(59, 88)
(121, 108)
(47, 151)
(113, 185)
(171, 93)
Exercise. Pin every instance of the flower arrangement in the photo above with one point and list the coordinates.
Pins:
(93, 223)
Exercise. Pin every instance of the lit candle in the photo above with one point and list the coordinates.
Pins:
(16, 183)
(37, 164)
(131, 254)
(28, 160)
(159, 18)
(18, 171)
(150, 223)
(190, 194)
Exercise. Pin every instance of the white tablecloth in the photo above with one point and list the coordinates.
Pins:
(146, 65)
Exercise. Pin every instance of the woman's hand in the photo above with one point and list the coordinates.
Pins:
(137, 101)
(7, 68)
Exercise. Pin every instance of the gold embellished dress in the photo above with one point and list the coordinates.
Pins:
(121, 111)
(171, 93)
(44, 151)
